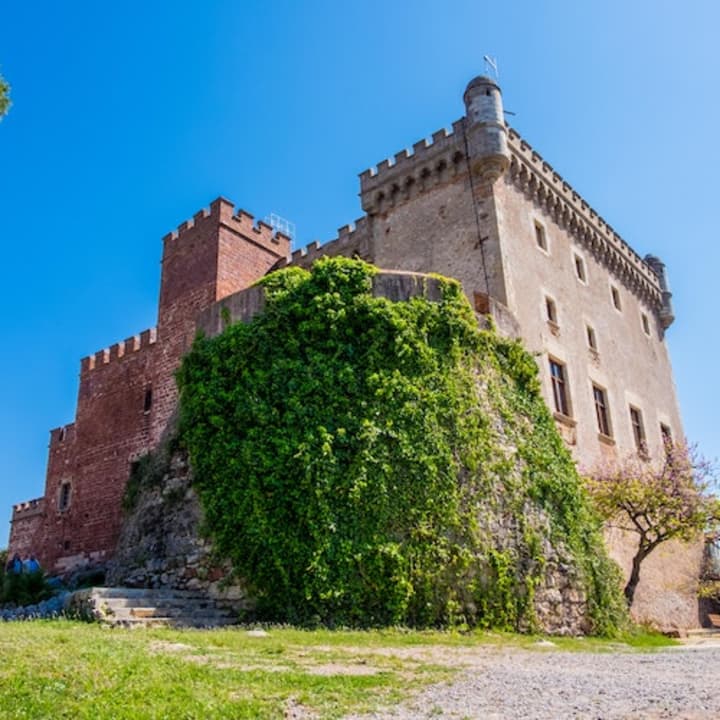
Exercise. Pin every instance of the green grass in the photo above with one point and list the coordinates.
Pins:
(64, 669)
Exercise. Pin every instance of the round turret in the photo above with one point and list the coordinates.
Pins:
(667, 315)
(487, 133)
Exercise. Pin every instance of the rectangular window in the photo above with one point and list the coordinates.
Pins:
(591, 339)
(147, 404)
(580, 269)
(540, 238)
(601, 410)
(666, 435)
(645, 323)
(551, 310)
(615, 293)
(638, 429)
(64, 497)
(559, 387)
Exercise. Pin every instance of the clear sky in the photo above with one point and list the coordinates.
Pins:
(129, 117)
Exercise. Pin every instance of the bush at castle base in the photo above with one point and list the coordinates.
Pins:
(366, 462)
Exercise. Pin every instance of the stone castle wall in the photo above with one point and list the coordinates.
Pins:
(464, 204)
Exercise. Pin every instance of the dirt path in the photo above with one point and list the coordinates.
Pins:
(681, 682)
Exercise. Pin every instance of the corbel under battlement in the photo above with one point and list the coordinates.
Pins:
(119, 350)
(222, 212)
(411, 172)
(352, 241)
(537, 179)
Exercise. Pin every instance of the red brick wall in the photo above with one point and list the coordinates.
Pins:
(215, 254)
(111, 429)
(26, 531)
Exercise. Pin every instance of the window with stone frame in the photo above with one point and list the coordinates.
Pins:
(645, 323)
(540, 237)
(561, 396)
(64, 496)
(591, 337)
(580, 272)
(666, 435)
(638, 429)
(602, 411)
(551, 310)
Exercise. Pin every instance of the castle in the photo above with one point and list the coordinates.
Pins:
(476, 203)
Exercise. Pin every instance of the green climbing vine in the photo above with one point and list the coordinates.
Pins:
(368, 462)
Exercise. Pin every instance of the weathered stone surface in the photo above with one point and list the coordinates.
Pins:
(161, 545)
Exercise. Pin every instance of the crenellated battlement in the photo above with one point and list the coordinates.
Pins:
(222, 211)
(115, 352)
(62, 434)
(412, 172)
(28, 509)
(537, 179)
(353, 240)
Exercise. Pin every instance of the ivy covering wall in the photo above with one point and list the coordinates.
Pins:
(366, 462)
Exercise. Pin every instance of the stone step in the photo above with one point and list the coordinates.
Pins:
(159, 593)
(169, 602)
(145, 612)
(133, 607)
(176, 622)
(704, 632)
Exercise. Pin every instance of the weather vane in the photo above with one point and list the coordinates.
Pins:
(491, 66)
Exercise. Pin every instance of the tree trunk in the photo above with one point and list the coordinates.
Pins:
(634, 578)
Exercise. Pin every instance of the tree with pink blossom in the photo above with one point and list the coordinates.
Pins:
(658, 501)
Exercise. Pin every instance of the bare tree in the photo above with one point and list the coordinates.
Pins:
(661, 501)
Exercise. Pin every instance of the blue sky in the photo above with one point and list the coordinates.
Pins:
(129, 117)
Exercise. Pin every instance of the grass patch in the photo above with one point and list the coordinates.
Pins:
(64, 669)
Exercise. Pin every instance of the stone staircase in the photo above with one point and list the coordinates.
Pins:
(141, 607)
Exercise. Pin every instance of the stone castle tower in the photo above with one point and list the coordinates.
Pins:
(476, 203)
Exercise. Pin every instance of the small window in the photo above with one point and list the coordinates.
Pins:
(64, 497)
(601, 411)
(638, 429)
(591, 338)
(615, 293)
(540, 238)
(61, 436)
(666, 435)
(580, 269)
(551, 310)
(147, 404)
(66, 545)
(559, 387)
(645, 323)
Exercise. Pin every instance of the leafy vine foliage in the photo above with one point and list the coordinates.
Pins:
(367, 462)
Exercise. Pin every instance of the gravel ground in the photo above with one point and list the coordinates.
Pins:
(680, 682)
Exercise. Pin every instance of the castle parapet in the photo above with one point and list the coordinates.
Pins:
(62, 434)
(352, 241)
(538, 180)
(27, 509)
(222, 211)
(243, 306)
(115, 352)
(409, 173)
